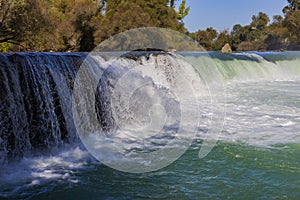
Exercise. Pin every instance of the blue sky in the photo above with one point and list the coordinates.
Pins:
(223, 14)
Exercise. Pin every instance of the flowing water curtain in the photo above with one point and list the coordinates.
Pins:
(35, 102)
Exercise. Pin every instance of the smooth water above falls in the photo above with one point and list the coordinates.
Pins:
(258, 149)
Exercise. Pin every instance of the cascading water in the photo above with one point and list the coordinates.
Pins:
(36, 92)
(251, 66)
(35, 102)
(261, 125)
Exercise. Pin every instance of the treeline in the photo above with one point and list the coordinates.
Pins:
(262, 34)
(79, 25)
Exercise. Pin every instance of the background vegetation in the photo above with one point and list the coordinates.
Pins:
(79, 25)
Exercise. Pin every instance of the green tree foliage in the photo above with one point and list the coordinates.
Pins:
(221, 40)
(254, 34)
(72, 24)
(48, 25)
(260, 21)
(206, 37)
(20, 23)
(292, 24)
(183, 11)
(241, 38)
(238, 35)
(293, 5)
(125, 15)
(277, 34)
(261, 34)
(78, 25)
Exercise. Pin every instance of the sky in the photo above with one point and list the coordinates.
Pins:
(223, 14)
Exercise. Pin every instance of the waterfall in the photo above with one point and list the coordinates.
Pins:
(35, 110)
(248, 66)
(36, 92)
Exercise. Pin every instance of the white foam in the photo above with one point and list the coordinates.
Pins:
(289, 123)
(267, 117)
(30, 172)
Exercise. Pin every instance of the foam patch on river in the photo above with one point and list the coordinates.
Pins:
(32, 172)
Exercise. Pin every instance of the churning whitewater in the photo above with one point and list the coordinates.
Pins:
(41, 153)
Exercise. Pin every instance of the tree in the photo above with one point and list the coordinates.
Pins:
(183, 11)
(87, 15)
(206, 38)
(277, 34)
(260, 21)
(254, 34)
(77, 25)
(238, 35)
(293, 6)
(121, 16)
(221, 40)
(44, 25)
(277, 20)
(125, 15)
(20, 22)
(292, 23)
(72, 24)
